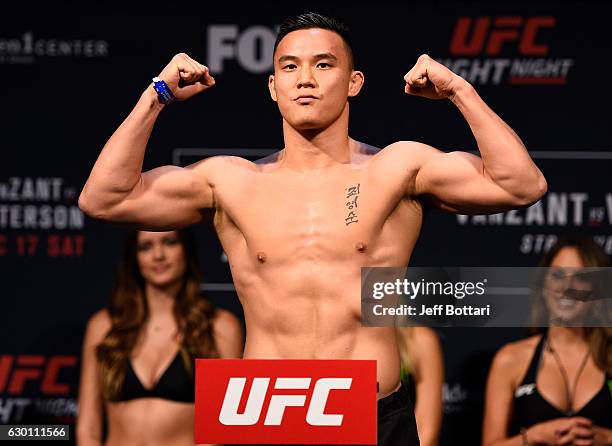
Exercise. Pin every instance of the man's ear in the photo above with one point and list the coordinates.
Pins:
(356, 82)
(271, 87)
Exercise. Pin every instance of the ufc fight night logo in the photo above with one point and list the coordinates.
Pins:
(507, 49)
(285, 401)
(16, 371)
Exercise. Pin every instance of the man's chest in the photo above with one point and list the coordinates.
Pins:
(318, 215)
(310, 204)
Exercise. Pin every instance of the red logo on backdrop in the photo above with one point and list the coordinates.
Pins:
(503, 29)
(26, 368)
(285, 401)
(507, 49)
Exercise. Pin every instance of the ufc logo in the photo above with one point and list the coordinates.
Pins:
(315, 416)
(33, 368)
(276, 401)
(503, 29)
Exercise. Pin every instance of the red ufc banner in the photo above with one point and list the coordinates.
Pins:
(285, 401)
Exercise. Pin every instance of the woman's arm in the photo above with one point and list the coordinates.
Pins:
(499, 400)
(91, 406)
(429, 378)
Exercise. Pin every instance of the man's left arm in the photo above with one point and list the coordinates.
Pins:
(502, 178)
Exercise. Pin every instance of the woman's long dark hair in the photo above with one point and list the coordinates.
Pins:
(592, 256)
(129, 311)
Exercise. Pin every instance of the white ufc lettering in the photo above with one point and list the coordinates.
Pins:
(315, 416)
(229, 410)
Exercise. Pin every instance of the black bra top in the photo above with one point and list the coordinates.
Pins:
(175, 384)
(530, 407)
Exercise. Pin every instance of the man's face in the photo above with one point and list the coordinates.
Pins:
(313, 78)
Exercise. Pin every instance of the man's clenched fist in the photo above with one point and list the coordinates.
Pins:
(431, 79)
(186, 77)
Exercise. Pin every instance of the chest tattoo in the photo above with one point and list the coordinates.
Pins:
(352, 195)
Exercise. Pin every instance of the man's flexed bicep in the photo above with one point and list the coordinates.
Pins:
(458, 182)
(167, 197)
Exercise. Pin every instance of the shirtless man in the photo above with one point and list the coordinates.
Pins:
(294, 252)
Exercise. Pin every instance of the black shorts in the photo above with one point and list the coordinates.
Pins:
(396, 421)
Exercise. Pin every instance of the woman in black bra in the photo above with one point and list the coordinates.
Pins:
(555, 388)
(138, 354)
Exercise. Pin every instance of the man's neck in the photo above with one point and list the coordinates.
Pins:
(317, 149)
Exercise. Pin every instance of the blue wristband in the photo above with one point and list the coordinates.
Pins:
(163, 91)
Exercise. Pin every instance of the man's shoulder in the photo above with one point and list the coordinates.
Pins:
(269, 161)
(238, 163)
(223, 166)
(229, 161)
(409, 149)
(402, 155)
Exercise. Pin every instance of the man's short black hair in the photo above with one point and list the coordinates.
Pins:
(309, 20)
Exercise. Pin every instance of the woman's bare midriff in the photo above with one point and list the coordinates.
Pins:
(150, 422)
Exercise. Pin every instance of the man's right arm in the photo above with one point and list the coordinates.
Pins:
(167, 197)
